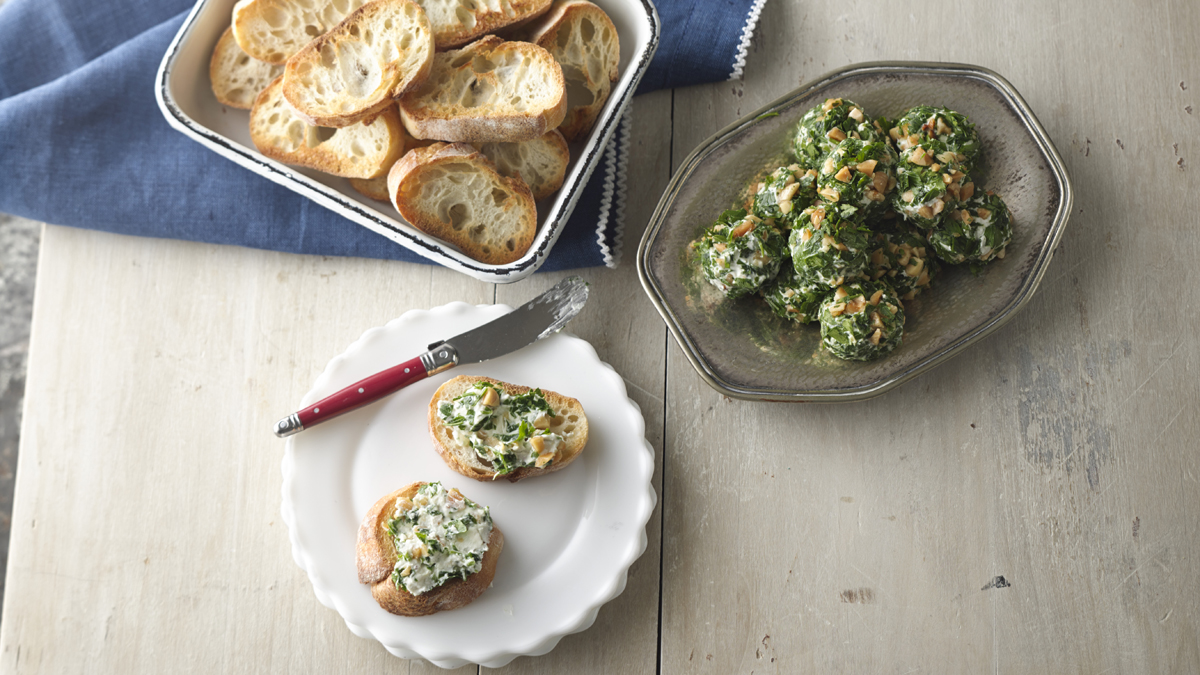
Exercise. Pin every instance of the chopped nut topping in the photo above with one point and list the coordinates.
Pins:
(876, 320)
(867, 166)
(837, 135)
(856, 114)
(745, 228)
(946, 157)
(938, 205)
(490, 398)
(720, 246)
(830, 194)
(537, 443)
(924, 279)
(811, 173)
(789, 191)
(831, 103)
(879, 180)
(942, 129)
(891, 184)
(967, 191)
(984, 213)
(914, 270)
(817, 216)
(841, 247)
(793, 167)
(805, 234)
(789, 180)
(960, 157)
(542, 422)
(894, 133)
(843, 175)
(785, 206)
(878, 259)
(840, 293)
(935, 167)
(876, 336)
(964, 216)
(874, 195)
(875, 298)
(946, 178)
(828, 166)
(827, 242)
(907, 196)
(919, 157)
(753, 218)
(925, 212)
(856, 305)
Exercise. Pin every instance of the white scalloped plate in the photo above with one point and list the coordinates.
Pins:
(570, 537)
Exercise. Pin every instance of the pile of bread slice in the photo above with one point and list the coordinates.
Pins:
(420, 103)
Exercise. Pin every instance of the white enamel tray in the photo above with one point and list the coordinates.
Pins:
(185, 96)
(570, 537)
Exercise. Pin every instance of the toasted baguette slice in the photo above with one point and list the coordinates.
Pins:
(453, 192)
(352, 72)
(376, 188)
(237, 77)
(490, 90)
(570, 422)
(584, 42)
(364, 150)
(541, 163)
(376, 558)
(457, 22)
(273, 30)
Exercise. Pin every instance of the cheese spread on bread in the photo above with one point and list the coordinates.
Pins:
(439, 535)
(507, 431)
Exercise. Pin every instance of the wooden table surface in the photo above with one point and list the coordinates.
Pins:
(1060, 453)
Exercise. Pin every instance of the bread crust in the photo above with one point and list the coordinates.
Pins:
(407, 70)
(375, 558)
(597, 78)
(518, 209)
(428, 114)
(466, 463)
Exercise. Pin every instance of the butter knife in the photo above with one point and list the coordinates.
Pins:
(544, 315)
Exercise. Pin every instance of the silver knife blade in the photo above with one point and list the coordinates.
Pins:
(544, 315)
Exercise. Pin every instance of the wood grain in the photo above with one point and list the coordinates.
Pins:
(871, 537)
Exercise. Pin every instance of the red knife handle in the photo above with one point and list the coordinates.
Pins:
(368, 389)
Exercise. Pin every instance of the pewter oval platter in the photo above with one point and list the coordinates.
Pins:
(744, 351)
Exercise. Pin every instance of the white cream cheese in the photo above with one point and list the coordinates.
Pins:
(439, 536)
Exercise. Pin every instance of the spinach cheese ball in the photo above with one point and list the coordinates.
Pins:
(976, 232)
(861, 321)
(904, 259)
(829, 245)
(951, 133)
(740, 253)
(786, 192)
(791, 297)
(828, 124)
(926, 189)
(858, 173)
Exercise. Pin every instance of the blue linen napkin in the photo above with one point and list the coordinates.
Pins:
(83, 143)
